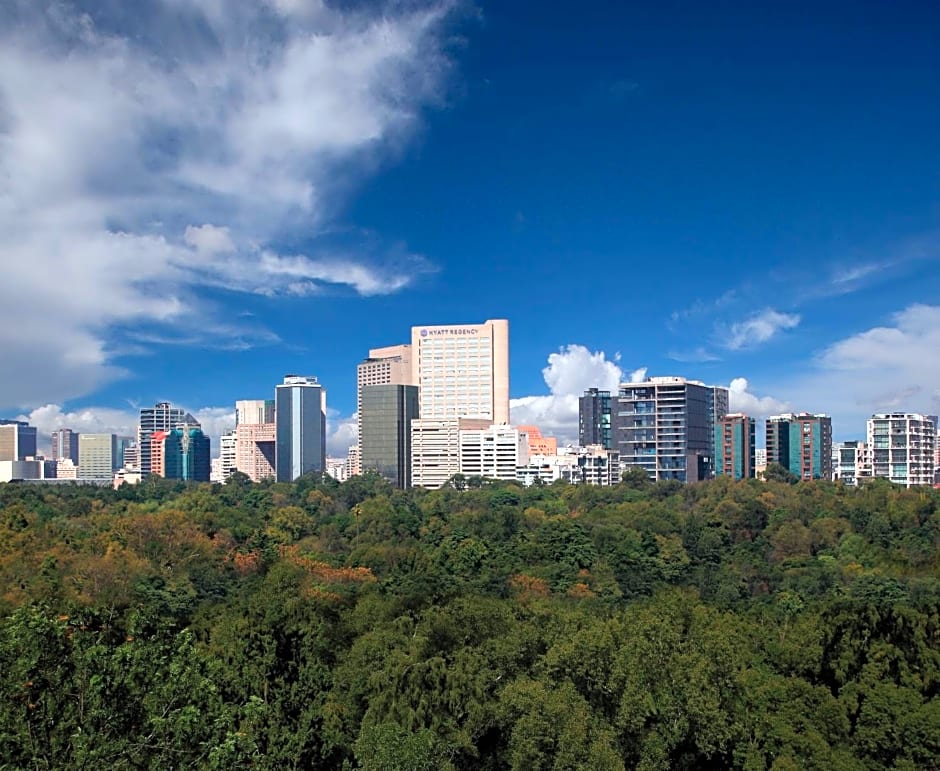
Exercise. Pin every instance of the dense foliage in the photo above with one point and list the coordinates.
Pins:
(317, 625)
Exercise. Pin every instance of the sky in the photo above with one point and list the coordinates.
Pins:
(198, 197)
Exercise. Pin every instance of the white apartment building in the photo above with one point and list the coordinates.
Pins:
(851, 462)
(228, 450)
(760, 461)
(435, 449)
(902, 447)
(462, 370)
(546, 469)
(495, 452)
(65, 469)
(336, 468)
(591, 465)
(353, 461)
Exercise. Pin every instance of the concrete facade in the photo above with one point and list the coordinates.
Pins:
(666, 426)
(97, 456)
(462, 370)
(494, 452)
(902, 447)
(254, 411)
(435, 449)
(17, 440)
(255, 453)
(65, 445)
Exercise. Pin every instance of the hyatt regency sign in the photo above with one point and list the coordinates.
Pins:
(449, 331)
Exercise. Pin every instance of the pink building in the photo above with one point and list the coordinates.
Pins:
(254, 453)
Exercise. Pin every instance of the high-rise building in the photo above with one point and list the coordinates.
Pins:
(384, 366)
(462, 370)
(353, 467)
(760, 462)
(735, 449)
(17, 440)
(902, 447)
(255, 450)
(131, 457)
(161, 417)
(97, 456)
(435, 449)
(65, 445)
(666, 425)
(851, 462)
(494, 452)
(255, 439)
(385, 415)
(128, 445)
(595, 418)
(300, 412)
(801, 443)
(228, 450)
(181, 453)
(254, 411)
(336, 468)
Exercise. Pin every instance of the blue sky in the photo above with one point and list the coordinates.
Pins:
(203, 199)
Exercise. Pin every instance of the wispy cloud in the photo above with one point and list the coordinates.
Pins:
(756, 329)
(149, 155)
(696, 355)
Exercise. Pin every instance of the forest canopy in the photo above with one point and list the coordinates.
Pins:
(753, 625)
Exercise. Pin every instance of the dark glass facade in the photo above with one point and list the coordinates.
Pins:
(595, 419)
(667, 427)
(300, 415)
(385, 417)
(186, 455)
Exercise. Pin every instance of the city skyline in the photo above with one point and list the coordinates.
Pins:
(765, 220)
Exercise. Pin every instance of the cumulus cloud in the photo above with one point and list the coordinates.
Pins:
(145, 156)
(570, 371)
(742, 400)
(215, 421)
(341, 433)
(908, 348)
(757, 329)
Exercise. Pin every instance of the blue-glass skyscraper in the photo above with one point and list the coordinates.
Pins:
(300, 415)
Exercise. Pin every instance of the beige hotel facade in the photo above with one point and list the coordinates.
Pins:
(462, 370)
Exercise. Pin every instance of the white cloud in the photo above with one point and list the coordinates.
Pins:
(105, 420)
(574, 368)
(146, 155)
(757, 329)
(909, 348)
(887, 368)
(570, 371)
(742, 400)
(341, 433)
